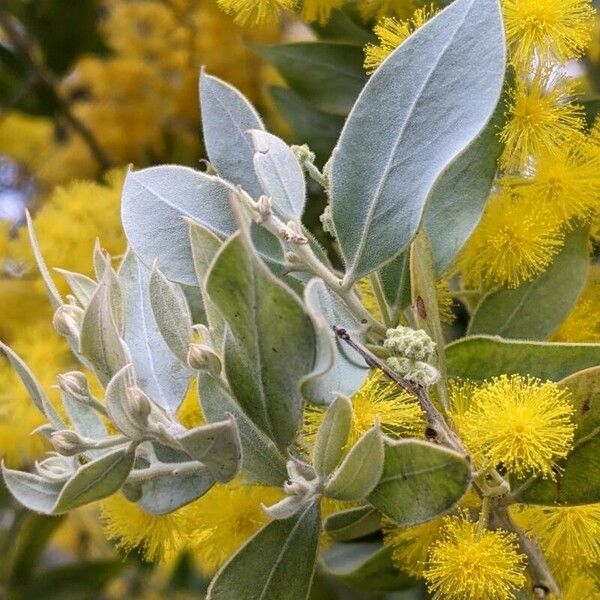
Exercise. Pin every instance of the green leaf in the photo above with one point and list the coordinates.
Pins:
(336, 72)
(262, 462)
(366, 566)
(309, 125)
(361, 469)
(352, 523)
(96, 480)
(100, 340)
(341, 27)
(278, 562)
(116, 402)
(32, 491)
(153, 204)
(332, 436)
(83, 287)
(270, 344)
(395, 283)
(280, 175)
(227, 116)
(171, 314)
(482, 357)
(536, 308)
(577, 479)
(160, 373)
(338, 368)
(419, 482)
(457, 199)
(421, 108)
(216, 445)
(33, 387)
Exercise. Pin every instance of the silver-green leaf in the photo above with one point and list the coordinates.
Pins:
(332, 436)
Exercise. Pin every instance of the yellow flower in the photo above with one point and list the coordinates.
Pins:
(257, 12)
(398, 411)
(541, 119)
(520, 422)
(583, 322)
(157, 537)
(514, 242)
(547, 30)
(225, 518)
(391, 33)
(468, 564)
(376, 9)
(567, 182)
(319, 10)
(579, 586)
(568, 535)
(189, 413)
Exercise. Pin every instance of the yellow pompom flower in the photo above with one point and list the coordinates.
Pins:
(398, 411)
(156, 537)
(468, 564)
(567, 182)
(520, 422)
(391, 33)
(257, 12)
(547, 30)
(583, 322)
(514, 242)
(541, 119)
(225, 518)
(579, 586)
(568, 535)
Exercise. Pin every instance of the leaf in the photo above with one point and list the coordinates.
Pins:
(338, 368)
(100, 340)
(280, 174)
(160, 373)
(395, 283)
(171, 313)
(352, 523)
(336, 72)
(420, 481)
(216, 445)
(340, 26)
(116, 401)
(360, 470)
(270, 344)
(458, 197)
(205, 246)
(32, 491)
(332, 436)
(419, 110)
(366, 566)
(33, 387)
(262, 462)
(226, 117)
(278, 562)
(83, 287)
(482, 357)
(153, 204)
(536, 308)
(96, 480)
(577, 479)
(309, 125)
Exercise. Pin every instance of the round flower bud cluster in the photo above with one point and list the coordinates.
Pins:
(411, 349)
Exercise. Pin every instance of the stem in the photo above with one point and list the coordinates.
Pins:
(437, 426)
(484, 515)
(380, 297)
(183, 468)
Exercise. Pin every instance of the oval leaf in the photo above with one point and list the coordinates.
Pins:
(332, 436)
(32, 491)
(352, 523)
(419, 110)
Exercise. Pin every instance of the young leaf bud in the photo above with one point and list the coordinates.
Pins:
(74, 383)
(68, 443)
(139, 406)
(202, 358)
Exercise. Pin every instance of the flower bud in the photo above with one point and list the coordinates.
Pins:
(67, 320)
(202, 358)
(68, 443)
(416, 371)
(139, 406)
(74, 383)
(413, 344)
(55, 468)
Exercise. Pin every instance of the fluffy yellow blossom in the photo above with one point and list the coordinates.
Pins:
(189, 413)
(541, 119)
(514, 242)
(225, 518)
(255, 12)
(468, 564)
(520, 422)
(157, 537)
(391, 33)
(398, 411)
(583, 322)
(567, 182)
(376, 9)
(568, 535)
(547, 30)
(319, 10)
(579, 586)
(26, 138)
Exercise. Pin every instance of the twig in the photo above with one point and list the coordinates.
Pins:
(437, 427)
